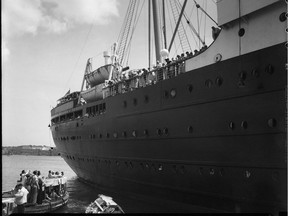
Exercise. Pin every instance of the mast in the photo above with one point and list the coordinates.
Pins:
(156, 30)
(164, 25)
(149, 33)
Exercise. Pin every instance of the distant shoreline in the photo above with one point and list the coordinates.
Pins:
(30, 150)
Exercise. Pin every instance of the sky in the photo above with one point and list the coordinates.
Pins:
(44, 50)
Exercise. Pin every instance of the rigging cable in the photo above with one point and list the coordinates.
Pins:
(172, 30)
(198, 26)
(85, 41)
(133, 29)
(125, 31)
(205, 21)
(193, 29)
(198, 6)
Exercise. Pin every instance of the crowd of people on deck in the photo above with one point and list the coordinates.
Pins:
(31, 189)
(133, 79)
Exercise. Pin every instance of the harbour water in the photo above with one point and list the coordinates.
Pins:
(80, 194)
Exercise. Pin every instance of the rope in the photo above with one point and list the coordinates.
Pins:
(205, 22)
(136, 19)
(172, 30)
(85, 41)
(198, 26)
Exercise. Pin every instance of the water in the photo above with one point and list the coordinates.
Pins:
(80, 194)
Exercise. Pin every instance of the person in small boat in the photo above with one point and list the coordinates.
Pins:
(20, 194)
(50, 174)
(57, 175)
(47, 198)
(27, 185)
(4, 210)
(41, 192)
(23, 177)
(54, 195)
(34, 187)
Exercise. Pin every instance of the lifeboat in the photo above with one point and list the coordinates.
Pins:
(99, 75)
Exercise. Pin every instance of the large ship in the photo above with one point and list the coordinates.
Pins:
(206, 128)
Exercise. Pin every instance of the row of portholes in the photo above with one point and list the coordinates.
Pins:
(67, 138)
(135, 133)
(177, 169)
(135, 101)
(208, 83)
(70, 157)
(272, 123)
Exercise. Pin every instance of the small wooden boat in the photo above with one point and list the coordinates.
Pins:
(46, 206)
(102, 205)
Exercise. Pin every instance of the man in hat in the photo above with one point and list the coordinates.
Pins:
(20, 194)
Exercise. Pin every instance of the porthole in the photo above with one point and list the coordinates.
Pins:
(190, 88)
(124, 134)
(201, 171)
(212, 171)
(166, 94)
(221, 172)
(219, 81)
(272, 123)
(107, 135)
(241, 32)
(146, 99)
(124, 104)
(100, 135)
(190, 129)
(231, 125)
(182, 170)
(283, 17)
(159, 131)
(115, 135)
(173, 93)
(165, 131)
(255, 72)
(134, 133)
(242, 75)
(145, 132)
(135, 102)
(208, 83)
(244, 124)
(247, 174)
(174, 167)
(269, 69)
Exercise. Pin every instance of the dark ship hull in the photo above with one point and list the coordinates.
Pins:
(213, 136)
(221, 145)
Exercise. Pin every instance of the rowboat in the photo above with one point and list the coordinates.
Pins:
(103, 205)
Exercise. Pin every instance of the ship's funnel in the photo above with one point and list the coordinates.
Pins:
(106, 56)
